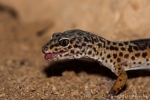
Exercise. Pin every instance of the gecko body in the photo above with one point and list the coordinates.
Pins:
(118, 56)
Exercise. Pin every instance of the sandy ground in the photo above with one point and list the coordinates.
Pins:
(25, 26)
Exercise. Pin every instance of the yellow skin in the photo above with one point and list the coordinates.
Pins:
(117, 56)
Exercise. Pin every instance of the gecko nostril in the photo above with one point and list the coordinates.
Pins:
(44, 49)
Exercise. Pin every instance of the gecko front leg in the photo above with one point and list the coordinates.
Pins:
(119, 83)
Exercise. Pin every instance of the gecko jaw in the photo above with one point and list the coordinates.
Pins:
(51, 56)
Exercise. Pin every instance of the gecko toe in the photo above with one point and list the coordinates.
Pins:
(109, 95)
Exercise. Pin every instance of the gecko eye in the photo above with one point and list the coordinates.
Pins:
(64, 42)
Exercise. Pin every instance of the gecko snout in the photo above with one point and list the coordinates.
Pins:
(45, 49)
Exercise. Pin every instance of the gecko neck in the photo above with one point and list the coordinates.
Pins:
(98, 48)
(101, 50)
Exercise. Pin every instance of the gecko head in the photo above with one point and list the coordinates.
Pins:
(66, 45)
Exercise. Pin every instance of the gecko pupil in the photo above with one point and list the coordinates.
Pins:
(64, 42)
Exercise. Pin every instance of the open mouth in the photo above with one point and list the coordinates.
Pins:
(50, 56)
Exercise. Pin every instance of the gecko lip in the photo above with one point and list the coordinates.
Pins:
(50, 56)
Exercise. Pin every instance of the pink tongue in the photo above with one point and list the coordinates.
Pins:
(49, 56)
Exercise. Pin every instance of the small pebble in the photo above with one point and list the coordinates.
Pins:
(87, 94)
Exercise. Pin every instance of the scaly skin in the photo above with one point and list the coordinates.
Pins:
(117, 56)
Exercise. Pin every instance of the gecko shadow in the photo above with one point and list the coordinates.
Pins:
(58, 67)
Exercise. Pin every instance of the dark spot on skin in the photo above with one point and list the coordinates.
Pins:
(85, 39)
(114, 63)
(56, 49)
(55, 35)
(83, 44)
(75, 46)
(120, 44)
(108, 56)
(116, 48)
(78, 52)
(101, 54)
(142, 48)
(66, 55)
(126, 43)
(99, 45)
(107, 48)
(80, 39)
(139, 62)
(147, 63)
(72, 51)
(115, 56)
(94, 49)
(54, 40)
(69, 47)
(95, 39)
(118, 59)
(90, 46)
(114, 43)
(147, 59)
(103, 58)
(108, 42)
(92, 40)
(101, 39)
(119, 68)
(80, 47)
(83, 50)
(77, 42)
(104, 45)
(56, 44)
(97, 53)
(120, 54)
(135, 48)
(134, 62)
(111, 48)
(72, 40)
(123, 49)
(90, 52)
(80, 33)
(51, 46)
(61, 51)
(137, 54)
(133, 58)
(111, 60)
(144, 54)
(106, 61)
(126, 55)
(130, 49)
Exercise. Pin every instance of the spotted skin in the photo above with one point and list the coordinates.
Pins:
(117, 56)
